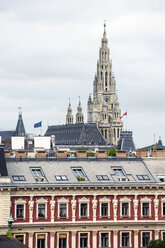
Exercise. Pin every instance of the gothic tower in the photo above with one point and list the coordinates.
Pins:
(69, 116)
(104, 108)
(79, 115)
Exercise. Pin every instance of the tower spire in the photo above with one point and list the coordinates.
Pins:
(69, 116)
(105, 27)
(79, 115)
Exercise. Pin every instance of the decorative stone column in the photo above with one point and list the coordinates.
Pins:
(156, 234)
(73, 239)
(73, 202)
(95, 239)
(30, 240)
(52, 239)
(136, 240)
(156, 205)
(94, 202)
(31, 207)
(115, 239)
(52, 206)
(115, 203)
(136, 202)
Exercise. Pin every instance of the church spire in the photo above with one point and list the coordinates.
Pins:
(79, 115)
(69, 116)
(20, 129)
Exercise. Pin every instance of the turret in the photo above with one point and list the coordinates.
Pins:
(69, 116)
(79, 115)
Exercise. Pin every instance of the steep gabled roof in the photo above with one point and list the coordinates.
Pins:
(76, 134)
(3, 169)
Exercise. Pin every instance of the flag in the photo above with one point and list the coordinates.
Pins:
(123, 115)
(39, 124)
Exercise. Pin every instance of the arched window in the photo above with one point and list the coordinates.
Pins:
(101, 75)
(106, 75)
(103, 57)
(118, 132)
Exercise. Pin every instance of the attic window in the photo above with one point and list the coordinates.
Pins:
(79, 174)
(143, 177)
(161, 178)
(102, 177)
(61, 178)
(38, 174)
(118, 172)
(18, 178)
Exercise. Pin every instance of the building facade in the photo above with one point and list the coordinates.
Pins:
(104, 108)
(84, 203)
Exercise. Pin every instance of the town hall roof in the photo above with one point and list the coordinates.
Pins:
(76, 134)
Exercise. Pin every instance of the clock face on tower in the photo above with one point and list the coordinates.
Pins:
(107, 99)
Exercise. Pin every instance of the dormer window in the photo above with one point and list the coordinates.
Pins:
(118, 172)
(79, 174)
(38, 175)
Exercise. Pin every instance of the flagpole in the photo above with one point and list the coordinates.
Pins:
(126, 120)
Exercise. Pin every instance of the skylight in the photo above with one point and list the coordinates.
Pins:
(102, 177)
(18, 178)
(61, 178)
(143, 177)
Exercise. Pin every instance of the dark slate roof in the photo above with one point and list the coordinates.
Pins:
(7, 134)
(6, 242)
(20, 129)
(159, 146)
(126, 142)
(3, 169)
(76, 134)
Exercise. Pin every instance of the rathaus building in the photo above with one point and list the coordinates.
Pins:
(104, 108)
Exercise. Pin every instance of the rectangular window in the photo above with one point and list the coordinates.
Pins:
(83, 240)
(143, 177)
(83, 211)
(18, 178)
(145, 239)
(41, 210)
(118, 172)
(104, 240)
(145, 209)
(79, 174)
(102, 177)
(41, 241)
(61, 178)
(163, 235)
(38, 175)
(20, 238)
(104, 209)
(20, 211)
(163, 208)
(125, 208)
(62, 210)
(62, 241)
(125, 239)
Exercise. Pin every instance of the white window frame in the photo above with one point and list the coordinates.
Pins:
(141, 238)
(63, 201)
(125, 200)
(109, 238)
(162, 201)
(79, 238)
(20, 234)
(46, 238)
(41, 201)
(105, 200)
(84, 200)
(162, 234)
(23, 202)
(145, 200)
(130, 238)
(67, 238)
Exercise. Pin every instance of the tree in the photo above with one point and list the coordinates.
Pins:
(112, 152)
(156, 244)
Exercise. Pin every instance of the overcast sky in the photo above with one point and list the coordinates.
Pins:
(49, 50)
